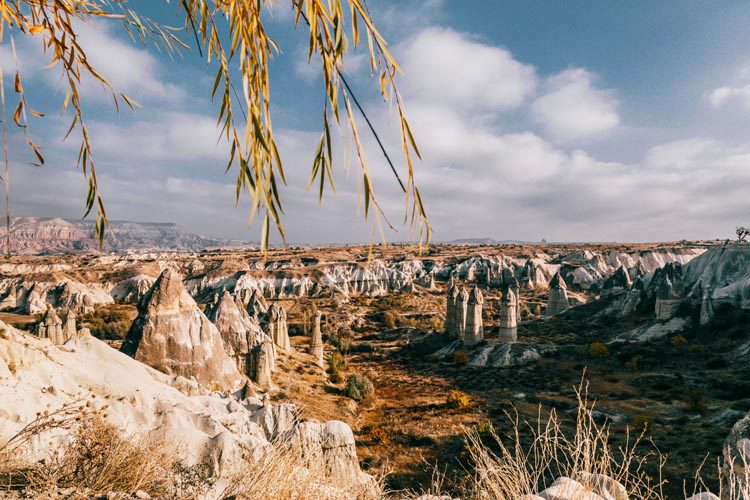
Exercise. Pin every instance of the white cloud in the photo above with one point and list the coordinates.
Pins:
(129, 69)
(572, 108)
(448, 68)
(725, 95)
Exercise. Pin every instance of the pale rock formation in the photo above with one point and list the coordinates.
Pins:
(51, 328)
(316, 340)
(514, 285)
(617, 283)
(277, 327)
(508, 327)
(204, 428)
(450, 311)
(603, 485)
(172, 335)
(707, 306)
(634, 298)
(132, 290)
(256, 304)
(238, 330)
(70, 326)
(565, 488)
(334, 441)
(667, 300)
(74, 296)
(558, 296)
(35, 303)
(195, 267)
(474, 327)
(10, 301)
(461, 311)
(263, 362)
(704, 495)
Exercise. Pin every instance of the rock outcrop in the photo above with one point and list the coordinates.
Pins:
(557, 301)
(461, 309)
(617, 283)
(239, 331)
(277, 327)
(205, 428)
(316, 340)
(172, 335)
(508, 325)
(474, 325)
(667, 301)
(51, 327)
(450, 311)
(263, 362)
(132, 290)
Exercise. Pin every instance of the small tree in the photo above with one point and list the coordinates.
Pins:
(742, 234)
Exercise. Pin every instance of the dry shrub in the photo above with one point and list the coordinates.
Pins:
(457, 399)
(598, 350)
(336, 366)
(97, 459)
(359, 388)
(287, 472)
(460, 358)
(510, 469)
(100, 459)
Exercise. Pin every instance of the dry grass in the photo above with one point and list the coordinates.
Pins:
(506, 469)
(510, 469)
(97, 458)
(288, 472)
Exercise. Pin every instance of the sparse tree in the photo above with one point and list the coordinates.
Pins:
(742, 234)
(231, 35)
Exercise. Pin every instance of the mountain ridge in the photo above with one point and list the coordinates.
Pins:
(56, 235)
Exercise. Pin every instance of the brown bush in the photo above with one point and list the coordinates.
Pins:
(460, 358)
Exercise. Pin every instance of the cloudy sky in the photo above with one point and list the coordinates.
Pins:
(566, 120)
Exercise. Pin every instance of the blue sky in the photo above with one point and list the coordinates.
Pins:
(565, 120)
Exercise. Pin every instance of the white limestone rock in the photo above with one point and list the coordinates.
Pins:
(172, 335)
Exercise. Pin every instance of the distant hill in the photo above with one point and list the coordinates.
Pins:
(47, 235)
(484, 241)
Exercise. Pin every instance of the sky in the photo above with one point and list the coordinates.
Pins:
(559, 119)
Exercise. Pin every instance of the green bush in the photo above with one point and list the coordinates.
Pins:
(598, 350)
(108, 323)
(336, 365)
(388, 319)
(341, 343)
(678, 341)
(359, 388)
(457, 399)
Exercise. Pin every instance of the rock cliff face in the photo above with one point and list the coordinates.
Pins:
(44, 236)
(205, 428)
(172, 335)
(239, 331)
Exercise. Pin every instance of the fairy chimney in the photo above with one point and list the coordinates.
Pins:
(316, 340)
(508, 327)
(474, 328)
(460, 313)
(558, 296)
(450, 311)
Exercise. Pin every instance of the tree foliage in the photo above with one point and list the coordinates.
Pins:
(231, 35)
(742, 234)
